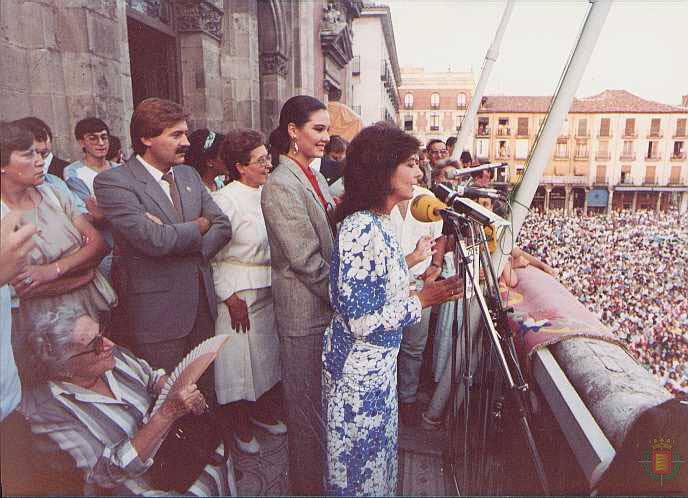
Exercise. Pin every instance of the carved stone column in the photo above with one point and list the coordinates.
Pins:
(548, 190)
(635, 201)
(585, 202)
(659, 202)
(199, 24)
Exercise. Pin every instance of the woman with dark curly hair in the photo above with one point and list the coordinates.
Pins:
(203, 155)
(249, 365)
(372, 301)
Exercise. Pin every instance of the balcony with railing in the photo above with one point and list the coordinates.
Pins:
(628, 156)
(600, 180)
(503, 131)
(680, 133)
(561, 155)
(675, 180)
(564, 179)
(582, 134)
(604, 134)
(603, 155)
(482, 131)
(581, 156)
(653, 157)
(357, 109)
(655, 134)
(630, 134)
(678, 156)
(649, 180)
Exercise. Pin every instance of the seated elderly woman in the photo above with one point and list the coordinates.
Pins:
(94, 403)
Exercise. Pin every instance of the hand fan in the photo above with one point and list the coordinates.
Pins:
(190, 369)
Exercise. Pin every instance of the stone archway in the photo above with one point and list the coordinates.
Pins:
(273, 46)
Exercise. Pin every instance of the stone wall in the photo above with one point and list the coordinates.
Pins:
(63, 61)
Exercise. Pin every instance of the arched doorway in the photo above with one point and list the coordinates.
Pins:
(538, 203)
(578, 199)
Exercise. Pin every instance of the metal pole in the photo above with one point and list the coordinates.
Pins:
(559, 108)
(465, 136)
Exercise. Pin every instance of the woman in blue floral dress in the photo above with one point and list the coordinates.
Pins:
(370, 293)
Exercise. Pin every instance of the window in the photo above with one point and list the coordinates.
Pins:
(408, 122)
(626, 174)
(629, 131)
(581, 150)
(435, 100)
(654, 127)
(482, 148)
(601, 176)
(675, 177)
(503, 127)
(603, 150)
(562, 149)
(650, 174)
(502, 149)
(483, 126)
(521, 149)
(652, 149)
(434, 122)
(628, 150)
(681, 127)
(582, 127)
(408, 100)
(461, 101)
(604, 127)
(678, 150)
(522, 127)
(565, 128)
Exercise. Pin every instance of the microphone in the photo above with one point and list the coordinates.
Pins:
(463, 206)
(477, 193)
(457, 173)
(427, 208)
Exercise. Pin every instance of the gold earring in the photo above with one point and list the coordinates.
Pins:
(296, 147)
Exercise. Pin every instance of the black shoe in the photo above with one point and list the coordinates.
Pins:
(409, 414)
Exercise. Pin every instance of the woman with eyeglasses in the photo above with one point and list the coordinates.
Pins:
(93, 399)
(204, 156)
(248, 367)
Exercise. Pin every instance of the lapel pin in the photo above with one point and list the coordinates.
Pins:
(188, 189)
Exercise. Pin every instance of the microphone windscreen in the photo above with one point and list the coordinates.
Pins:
(425, 208)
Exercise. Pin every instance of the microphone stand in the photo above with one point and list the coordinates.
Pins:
(500, 341)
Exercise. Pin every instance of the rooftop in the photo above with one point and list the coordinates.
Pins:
(609, 101)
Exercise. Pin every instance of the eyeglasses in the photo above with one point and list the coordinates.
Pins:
(95, 138)
(438, 152)
(265, 161)
(97, 342)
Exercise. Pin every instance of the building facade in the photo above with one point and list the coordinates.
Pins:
(433, 103)
(375, 68)
(615, 150)
(231, 63)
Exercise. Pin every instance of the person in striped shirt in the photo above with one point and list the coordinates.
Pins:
(92, 399)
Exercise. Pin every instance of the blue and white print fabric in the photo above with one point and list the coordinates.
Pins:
(369, 291)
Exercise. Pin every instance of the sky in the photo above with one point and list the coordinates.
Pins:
(643, 47)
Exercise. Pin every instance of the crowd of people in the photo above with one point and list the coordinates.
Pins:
(630, 269)
(113, 270)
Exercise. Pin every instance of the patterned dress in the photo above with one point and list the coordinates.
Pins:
(369, 291)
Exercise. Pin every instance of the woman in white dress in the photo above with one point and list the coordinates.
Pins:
(249, 364)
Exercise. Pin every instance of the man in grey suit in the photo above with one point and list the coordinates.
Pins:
(166, 229)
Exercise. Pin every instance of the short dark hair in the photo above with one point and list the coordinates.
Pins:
(89, 125)
(204, 145)
(13, 137)
(336, 144)
(296, 110)
(451, 141)
(40, 130)
(114, 148)
(150, 119)
(432, 142)
(371, 159)
(237, 147)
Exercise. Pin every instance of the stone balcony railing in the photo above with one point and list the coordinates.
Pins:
(566, 180)
(603, 156)
(678, 157)
(627, 157)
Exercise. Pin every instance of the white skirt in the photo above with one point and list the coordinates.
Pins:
(249, 363)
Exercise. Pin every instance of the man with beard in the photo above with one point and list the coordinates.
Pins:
(166, 229)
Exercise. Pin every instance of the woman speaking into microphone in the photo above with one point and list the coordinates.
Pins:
(372, 302)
